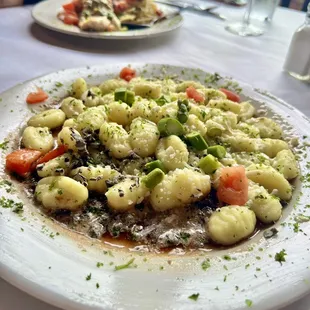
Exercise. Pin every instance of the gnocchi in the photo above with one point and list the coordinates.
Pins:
(157, 162)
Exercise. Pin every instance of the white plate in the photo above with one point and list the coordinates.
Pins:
(45, 14)
(54, 267)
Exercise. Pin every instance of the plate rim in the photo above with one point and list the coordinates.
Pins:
(97, 35)
(45, 290)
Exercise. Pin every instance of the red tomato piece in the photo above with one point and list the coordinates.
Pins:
(71, 19)
(61, 149)
(21, 161)
(127, 74)
(233, 186)
(36, 97)
(230, 95)
(69, 7)
(120, 7)
(192, 93)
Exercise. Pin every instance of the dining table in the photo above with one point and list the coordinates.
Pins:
(28, 50)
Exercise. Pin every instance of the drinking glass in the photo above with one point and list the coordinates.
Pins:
(246, 27)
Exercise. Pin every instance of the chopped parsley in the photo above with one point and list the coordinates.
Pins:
(205, 264)
(280, 257)
(88, 277)
(58, 84)
(4, 145)
(302, 218)
(124, 266)
(19, 208)
(11, 204)
(227, 257)
(161, 268)
(194, 296)
(249, 302)
(97, 285)
(296, 227)
(7, 185)
(99, 264)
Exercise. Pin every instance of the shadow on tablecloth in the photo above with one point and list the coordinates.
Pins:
(97, 45)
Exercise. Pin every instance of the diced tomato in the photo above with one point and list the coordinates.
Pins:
(69, 7)
(230, 95)
(70, 19)
(192, 93)
(36, 97)
(120, 7)
(127, 74)
(233, 186)
(61, 149)
(21, 161)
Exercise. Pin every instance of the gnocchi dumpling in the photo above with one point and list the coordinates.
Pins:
(38, 138)
(179, 188)
(61, 193)
(111, 85)
(72, 138)
(285, 163)
(173, 152)
(72, 107)
(143, 137)
(193, 124)
(92, 118)
(60, 165)
(231, 224)
(146, 109)
(246, 111)
(92, 97)
(52, 118)
(267, 127)
(78, 88)
(126, 194)
(271, 179)
(119, 112)
(225, 105)
(95, 177)
(266, 207)
(116, 139)
(147, 89)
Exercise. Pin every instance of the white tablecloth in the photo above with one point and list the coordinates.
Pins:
(27, 51)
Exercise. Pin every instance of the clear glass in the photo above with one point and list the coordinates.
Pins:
(246, 27)
(263, 10)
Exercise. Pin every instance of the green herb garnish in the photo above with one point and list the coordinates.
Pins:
(194, 296)
(205, 264)
(280, 257)
(124, 266)
(248, 302)
(88, 277)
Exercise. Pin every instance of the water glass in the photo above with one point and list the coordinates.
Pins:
(259, 11)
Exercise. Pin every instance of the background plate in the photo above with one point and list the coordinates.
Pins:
(45, 14)
(54, 267)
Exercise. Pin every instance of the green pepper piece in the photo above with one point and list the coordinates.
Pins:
(162, 100)
(170, 126)
(153, 178)
(120, 94)
(209, 164)
(196, 141)
(155, 164)
(217, 151)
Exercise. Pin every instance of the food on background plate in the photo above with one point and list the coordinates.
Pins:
(161, 162)
(108, 15)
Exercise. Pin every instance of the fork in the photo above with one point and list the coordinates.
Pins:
(194, 7)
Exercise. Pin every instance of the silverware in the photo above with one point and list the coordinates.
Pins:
(134, 25)
(194, 7)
